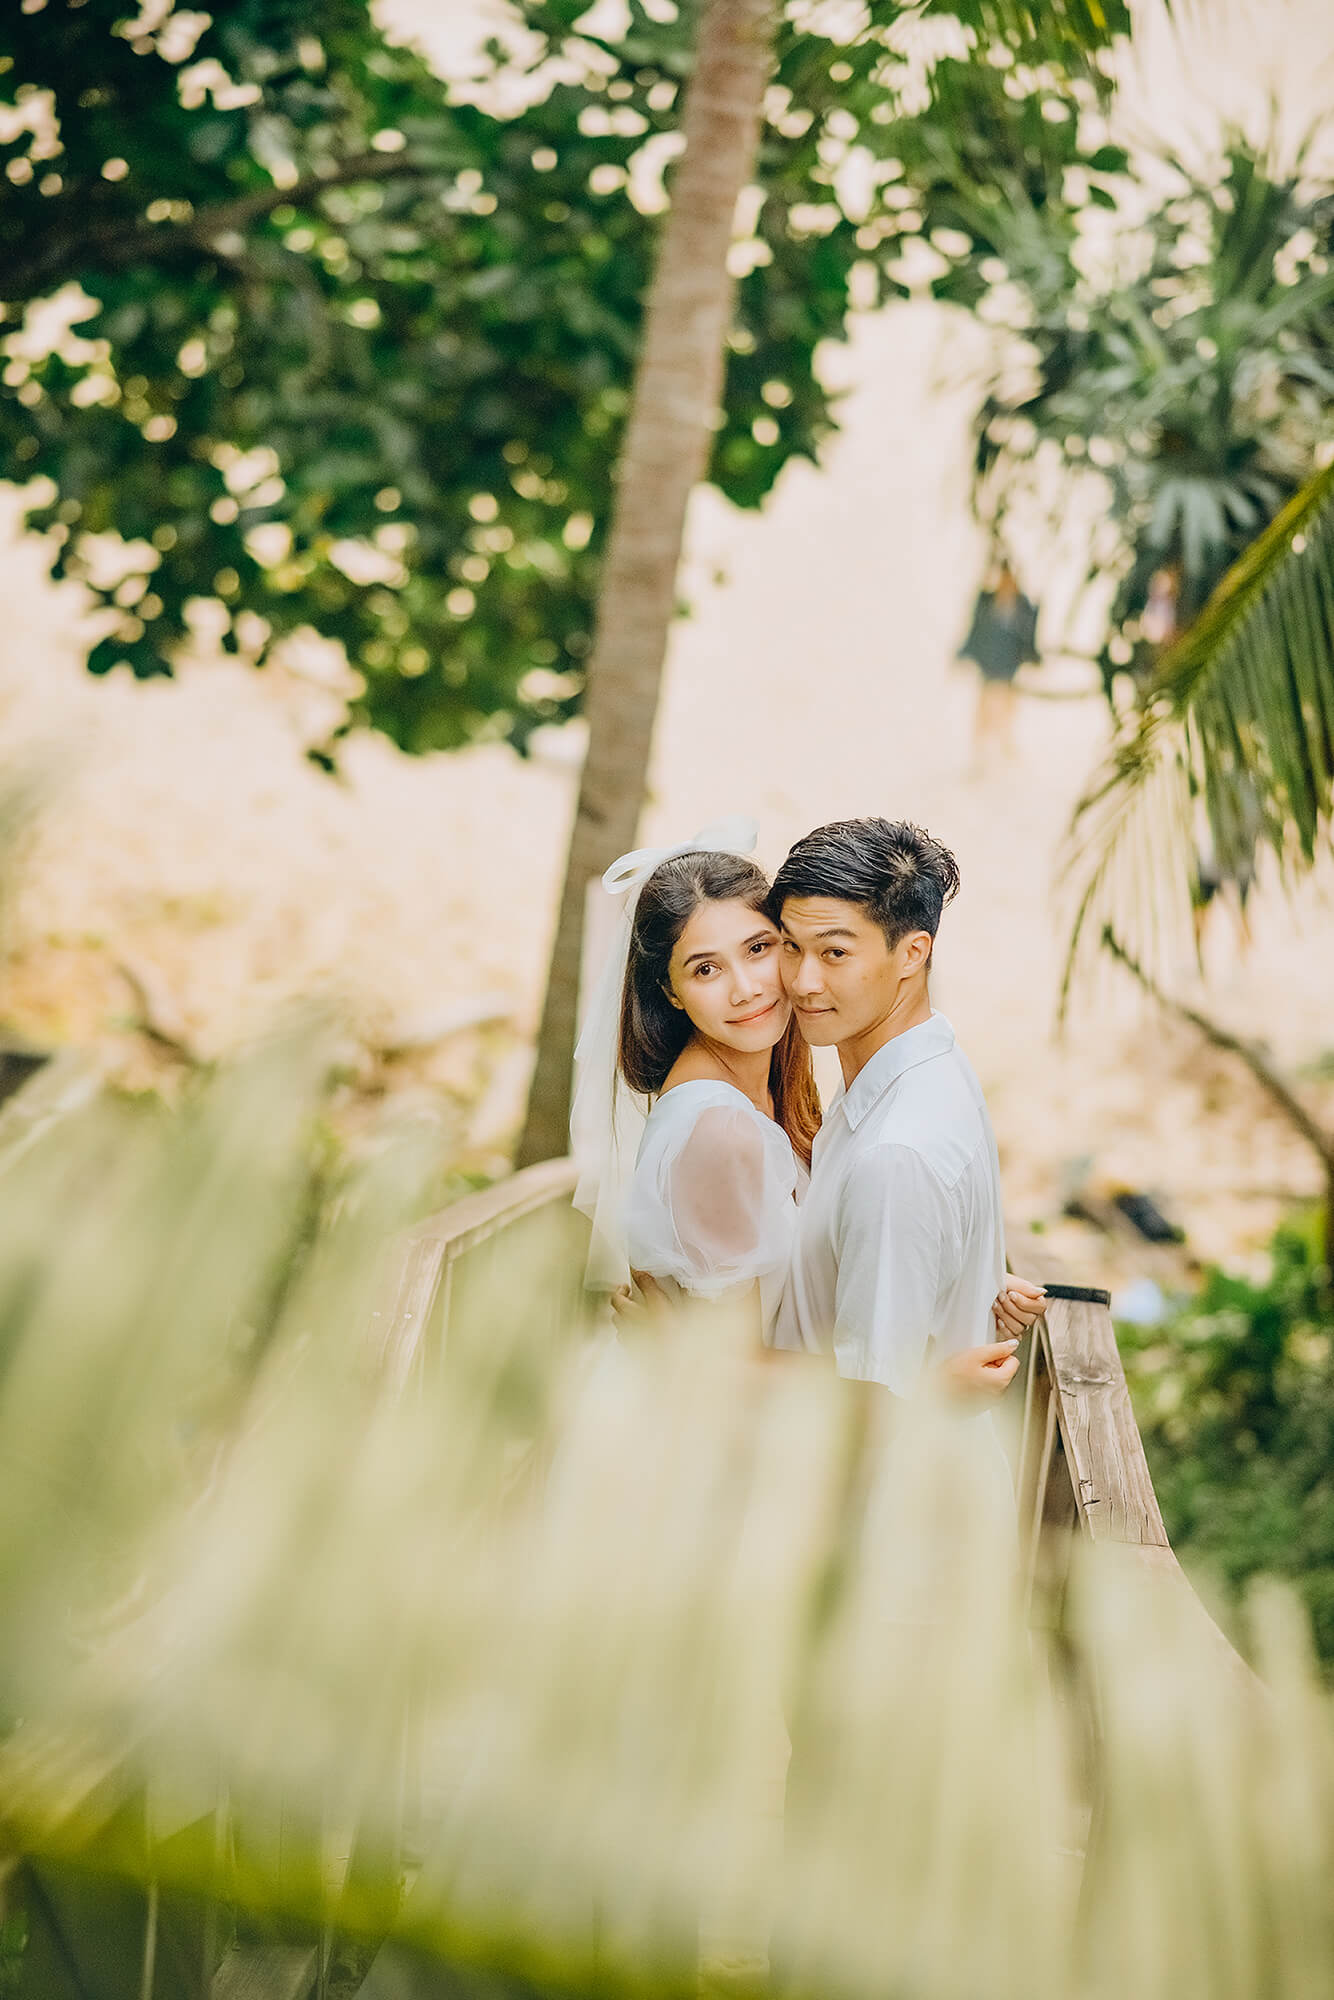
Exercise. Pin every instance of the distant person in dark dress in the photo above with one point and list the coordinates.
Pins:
(1001, 639)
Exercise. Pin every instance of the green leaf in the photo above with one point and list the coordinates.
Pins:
(1109, 160)
(1240, 710)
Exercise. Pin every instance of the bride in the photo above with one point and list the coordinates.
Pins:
(695, 1103)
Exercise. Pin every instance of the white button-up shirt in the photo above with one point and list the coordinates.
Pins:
(900, 1245)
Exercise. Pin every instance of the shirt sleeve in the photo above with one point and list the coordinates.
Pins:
(720, 1213)
(893, 1233)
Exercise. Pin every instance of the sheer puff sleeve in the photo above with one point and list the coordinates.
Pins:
(711, 1205)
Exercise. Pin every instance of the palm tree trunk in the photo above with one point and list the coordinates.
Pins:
(666, 453)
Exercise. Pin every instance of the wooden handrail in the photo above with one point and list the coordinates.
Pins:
(420, 1290)
(1082, 1468)
(1081, 1458)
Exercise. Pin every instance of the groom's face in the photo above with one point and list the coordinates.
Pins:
(838, 969)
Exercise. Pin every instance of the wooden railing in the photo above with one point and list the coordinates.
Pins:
(1082, 1471)
(523, 1229)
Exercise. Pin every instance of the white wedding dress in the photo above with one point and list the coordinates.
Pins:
(712, 1203)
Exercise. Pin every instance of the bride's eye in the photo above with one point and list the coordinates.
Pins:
(703, 967)
(763, 944)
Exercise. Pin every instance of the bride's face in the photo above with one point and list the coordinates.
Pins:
(724, 973)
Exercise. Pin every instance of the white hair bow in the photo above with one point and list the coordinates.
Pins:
(607, 1118)
(735, 835)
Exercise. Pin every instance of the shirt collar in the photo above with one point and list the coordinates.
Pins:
(918, 1045)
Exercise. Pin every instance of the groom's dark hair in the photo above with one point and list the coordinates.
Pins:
(895, 871)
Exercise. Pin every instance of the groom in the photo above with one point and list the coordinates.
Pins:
(900, 1245)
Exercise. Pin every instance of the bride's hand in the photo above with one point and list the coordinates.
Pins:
(1017, 1306)
(635, 1307)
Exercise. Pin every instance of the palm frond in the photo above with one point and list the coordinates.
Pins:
(1239, 717)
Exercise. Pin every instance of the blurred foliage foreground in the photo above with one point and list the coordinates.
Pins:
(477, 1684)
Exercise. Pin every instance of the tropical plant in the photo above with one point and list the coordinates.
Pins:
(1237, 723)
(1189, 357)
(987, 193)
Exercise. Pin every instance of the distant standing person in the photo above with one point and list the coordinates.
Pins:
(1001, 639)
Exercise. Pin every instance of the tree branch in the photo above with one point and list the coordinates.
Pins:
(113, 246)
(237, 216)
(1254, 1057)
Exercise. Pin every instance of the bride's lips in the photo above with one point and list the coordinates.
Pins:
(748, 1020)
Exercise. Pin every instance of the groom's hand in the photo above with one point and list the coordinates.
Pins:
(980, 1374)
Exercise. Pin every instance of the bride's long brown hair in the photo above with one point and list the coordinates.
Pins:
(653, 1032)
